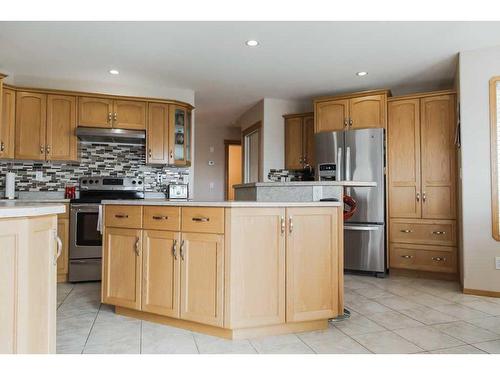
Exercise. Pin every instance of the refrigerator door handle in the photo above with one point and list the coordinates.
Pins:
(359, 227)
(348, 163)
(339, 165)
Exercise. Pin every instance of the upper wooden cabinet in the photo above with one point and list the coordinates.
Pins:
(421, 157)
(31, 118)
(157, 143)
(299, 141)
(180, 136)
(7, 123)
(108, 113)
(61, 125)
(353, 111)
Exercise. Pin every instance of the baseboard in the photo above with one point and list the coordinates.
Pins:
(424, 274)
(479, 292)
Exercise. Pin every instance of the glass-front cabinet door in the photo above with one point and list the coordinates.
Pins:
(180, 136)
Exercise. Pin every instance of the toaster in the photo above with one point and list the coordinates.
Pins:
(177, 191)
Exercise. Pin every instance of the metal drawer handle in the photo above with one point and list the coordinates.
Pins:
(201, 219)
(282, 225)
(2, 146)
(137, 246)
(407, 256)
(121, 216)
(182, 249)
(439, 259)
(438, 232)
(290, 224)
(160, 217)
(174, 249)
(406, 231)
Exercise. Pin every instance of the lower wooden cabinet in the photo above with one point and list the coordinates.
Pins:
(202, 277)
(122, 259)
(424, 257)
(161, 272)
(62, 261)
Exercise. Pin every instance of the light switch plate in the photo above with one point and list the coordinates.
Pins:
(497, 263)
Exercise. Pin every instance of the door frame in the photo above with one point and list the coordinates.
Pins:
(227, 143)
(251, 129)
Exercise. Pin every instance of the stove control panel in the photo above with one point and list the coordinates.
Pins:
(111, 183)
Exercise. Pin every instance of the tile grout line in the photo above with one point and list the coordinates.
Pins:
(306, 344)
(195, 343)
(253, 347)
(65, 298)
(91, 328)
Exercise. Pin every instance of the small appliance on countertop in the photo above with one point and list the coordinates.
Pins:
(177, 191)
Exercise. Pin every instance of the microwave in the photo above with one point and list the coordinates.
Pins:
(177, 191)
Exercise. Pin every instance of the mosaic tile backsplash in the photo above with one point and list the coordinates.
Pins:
(95, 160)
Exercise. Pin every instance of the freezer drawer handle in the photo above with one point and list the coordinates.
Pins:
(361, 228)
(438, 232)
(407, 256)
(406, 231)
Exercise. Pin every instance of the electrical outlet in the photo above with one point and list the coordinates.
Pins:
(497, 263)
(211, 149)
(211, 186)
(39, 175)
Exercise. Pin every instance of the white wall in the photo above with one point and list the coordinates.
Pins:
(479, 247)
(205, 138)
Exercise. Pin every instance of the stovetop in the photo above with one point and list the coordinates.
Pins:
(96, 189)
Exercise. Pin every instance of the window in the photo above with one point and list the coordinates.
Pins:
(251, 153)
(495, 155)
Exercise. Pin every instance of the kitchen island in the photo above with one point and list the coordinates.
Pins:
(29, 248)
(230, 269)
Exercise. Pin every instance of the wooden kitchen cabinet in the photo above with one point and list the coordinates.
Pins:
(31, 112)
(122, 270)
(202, 277)
(331, 115)
(299, 141)
(179, 136)
(95, 112)
(367, 112)
(61, 142)
(161, 272)
(62, 261)
(129, 114)
(312, 263)
(7, 123)
(158, 134)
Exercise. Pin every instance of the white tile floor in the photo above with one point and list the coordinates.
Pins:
(392, 315)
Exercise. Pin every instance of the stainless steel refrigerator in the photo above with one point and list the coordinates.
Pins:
(359, 155)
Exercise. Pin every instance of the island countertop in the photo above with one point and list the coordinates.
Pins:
(188, 203)
(306, 183)
(11, 209)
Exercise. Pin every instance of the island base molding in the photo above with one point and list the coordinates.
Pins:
(232, 334)
(424, 274)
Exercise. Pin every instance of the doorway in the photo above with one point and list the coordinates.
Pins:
(233, 173)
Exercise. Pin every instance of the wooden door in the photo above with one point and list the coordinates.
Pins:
(293, 143)
(62, 261)
(31, 109)
(61, 127)
(129, 114)
(331, 115)
(438, 156)
(160, 270)
(308, 142)
(255, 273)
(179, 135)
(95, 112)
(7, 124)
(312, 263)
(122, 267)
(202, 276)
(403, 139)
(157, 134)
(367, 112)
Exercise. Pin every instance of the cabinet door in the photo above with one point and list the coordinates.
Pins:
(368, 112)
(202, 289)
(438, 157)
(31, 109)
(61, 126)
(403, 138)
(312, 263)
(62, 261)
(122, 267)
(95, 112)
(7, 123)
(293, 143)
(255, 274)
(158, 134)
(331, 116)
(179, 133)
(160, 269)
(308, 142)
(129, 114)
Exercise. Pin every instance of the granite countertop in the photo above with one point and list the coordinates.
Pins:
(43, 200)
(306, 183)
(165, 202)
(10, 209)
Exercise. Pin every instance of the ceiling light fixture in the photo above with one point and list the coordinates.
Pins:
(252, 43)
(361, 74)
(114, 72)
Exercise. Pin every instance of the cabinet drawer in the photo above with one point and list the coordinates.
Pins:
(423, 232)
(162, 218)
(123, 216)
(203, 219)
(430, 258)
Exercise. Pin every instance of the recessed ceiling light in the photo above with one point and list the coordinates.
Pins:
(252, 43)
(361, 74)
(114, 72)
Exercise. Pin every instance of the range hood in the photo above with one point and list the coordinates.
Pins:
(102, 135)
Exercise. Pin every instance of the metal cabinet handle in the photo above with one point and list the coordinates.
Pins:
(350, 121)
(282, 225)
(418, 197)
(149, 153)
(407, 256)
(424, 197)
(171, 154)
(121, 216)
(42, 149)
(2, 146)
(201, 219)
(406, 231)
(137, 246)
(109, 116)
(439, 232)
(59, 246)
(174, 249)
(345, 122)
(115, 116)
(182, 249)
(439, 259)
(47, 149)
(290, 224)
(160, 217)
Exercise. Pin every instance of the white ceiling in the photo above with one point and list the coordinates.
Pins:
(295, 60)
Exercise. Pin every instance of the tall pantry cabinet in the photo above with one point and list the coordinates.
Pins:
(422, 182)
